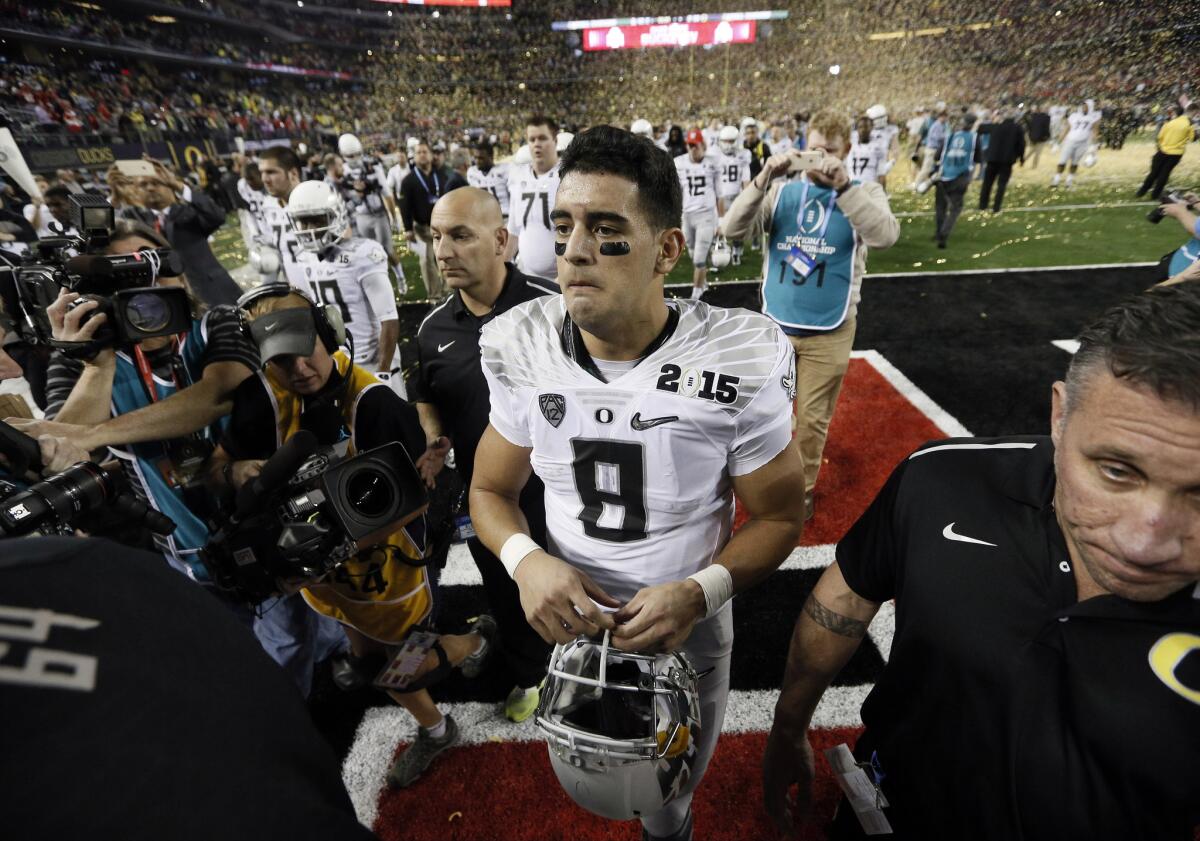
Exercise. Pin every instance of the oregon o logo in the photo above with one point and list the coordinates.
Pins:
(604, 415)
(1165, 657)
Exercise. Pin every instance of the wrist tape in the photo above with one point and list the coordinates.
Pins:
(514, 551)
(717, 584)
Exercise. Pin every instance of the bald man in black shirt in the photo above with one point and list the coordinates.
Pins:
(469, 238)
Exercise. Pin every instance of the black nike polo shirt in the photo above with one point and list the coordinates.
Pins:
(449, 374)
(1008, 710)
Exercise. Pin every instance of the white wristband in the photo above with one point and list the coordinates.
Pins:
(514, 551)
(717, 584)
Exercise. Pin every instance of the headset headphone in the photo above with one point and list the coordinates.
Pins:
(331, 329)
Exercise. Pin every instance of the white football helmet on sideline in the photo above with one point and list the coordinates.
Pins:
(727, 139)
(877, 114)
(523, 155)
(720, 255)
(622, 727)
(318, 215)
(351, 150)
(642, 128)
(563, 141)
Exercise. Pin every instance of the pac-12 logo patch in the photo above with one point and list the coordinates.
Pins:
(554, 408)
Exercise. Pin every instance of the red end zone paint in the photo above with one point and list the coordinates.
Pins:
(873, 429)
(508, 792)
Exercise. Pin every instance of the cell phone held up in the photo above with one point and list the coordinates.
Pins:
(809, 159)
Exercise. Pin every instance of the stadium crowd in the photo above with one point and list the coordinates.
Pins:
(575, 212)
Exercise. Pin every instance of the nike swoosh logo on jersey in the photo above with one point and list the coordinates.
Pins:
(443, 347)
(949, 533)
(641, 425)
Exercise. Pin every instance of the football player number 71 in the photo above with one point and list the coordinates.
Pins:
(611, 475)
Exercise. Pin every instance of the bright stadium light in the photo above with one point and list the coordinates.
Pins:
(835, 69)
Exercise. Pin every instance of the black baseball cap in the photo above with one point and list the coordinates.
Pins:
(290, 332)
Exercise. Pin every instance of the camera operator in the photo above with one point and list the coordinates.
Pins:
(187, 218)
(380, 596)
(119, 381)
(1184, 263)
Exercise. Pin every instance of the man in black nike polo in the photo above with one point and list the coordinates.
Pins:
(451, 394)
(1044, 677)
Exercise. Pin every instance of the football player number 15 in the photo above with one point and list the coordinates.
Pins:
(611, 476)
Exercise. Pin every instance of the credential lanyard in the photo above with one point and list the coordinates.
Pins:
(147, 373)
(432, 194)
(828, 210)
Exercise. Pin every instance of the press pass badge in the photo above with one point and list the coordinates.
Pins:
(863, 793)
(800, 262)
(403, 666)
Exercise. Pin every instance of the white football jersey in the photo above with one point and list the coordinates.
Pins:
(495, 181)
(884, 136)
(733, 171)
(283, 237)
(637, 470)
(255, 201)
(395, 178)
(370, 171)
(336, 277)
(531, 198)
(864, 160)
(699, 183)
(1081, 125)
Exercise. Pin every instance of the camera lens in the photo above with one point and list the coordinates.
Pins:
(147, 313)
(370, 493)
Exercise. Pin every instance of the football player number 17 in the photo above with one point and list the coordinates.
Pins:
(610, 477)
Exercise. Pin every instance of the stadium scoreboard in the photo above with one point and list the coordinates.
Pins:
(698, 30)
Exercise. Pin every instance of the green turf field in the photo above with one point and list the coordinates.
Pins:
(1038, 227)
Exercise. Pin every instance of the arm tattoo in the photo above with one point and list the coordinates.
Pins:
(832, 621)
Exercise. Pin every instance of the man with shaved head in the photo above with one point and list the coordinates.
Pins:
(468, 241)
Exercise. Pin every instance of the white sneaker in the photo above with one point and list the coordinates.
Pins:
(1054, 181)
(697, 291)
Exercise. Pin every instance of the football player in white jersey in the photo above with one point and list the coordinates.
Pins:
(365, 191)
(256, 230)
(699, 179)
(643, 417)
(886, 136)
(395, 177)
(531, 189)
(1077, 136)
(866, 155)
(348, 272)
(279, 167)
(488, 175)
(733, 173)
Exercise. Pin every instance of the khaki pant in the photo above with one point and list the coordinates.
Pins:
(435, 288)
(928, 159)
(821, 363)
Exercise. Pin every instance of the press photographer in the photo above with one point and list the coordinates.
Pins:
(120, 376)
(1183, 263)
(384, 593)
(76, 493)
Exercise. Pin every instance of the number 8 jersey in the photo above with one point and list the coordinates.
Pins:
(637, 470)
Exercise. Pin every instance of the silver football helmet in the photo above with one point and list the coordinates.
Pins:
(727, 139)
(318, 215)
(878, 116)
(622, 727)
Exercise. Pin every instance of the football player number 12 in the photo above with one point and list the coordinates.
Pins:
(610, 474)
